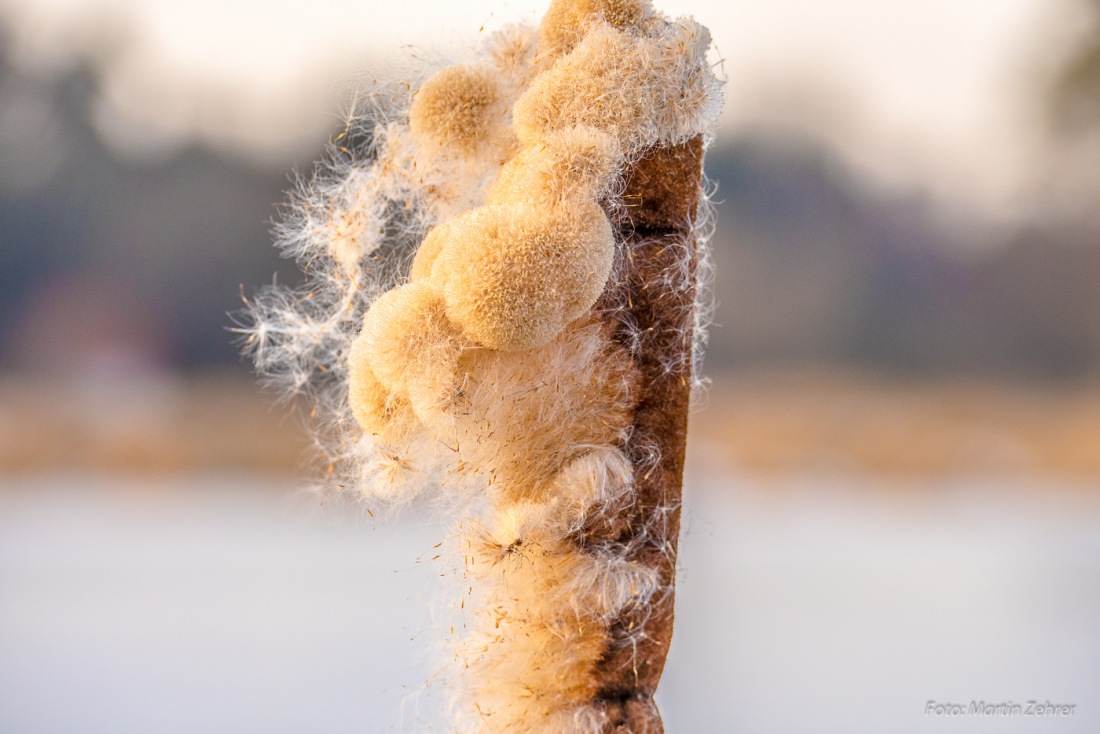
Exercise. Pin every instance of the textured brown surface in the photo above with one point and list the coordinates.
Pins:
(662, 191)
(662, 197)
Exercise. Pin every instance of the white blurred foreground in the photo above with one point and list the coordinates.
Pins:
(231, 603)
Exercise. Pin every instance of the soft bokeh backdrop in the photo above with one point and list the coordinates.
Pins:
(894, 481)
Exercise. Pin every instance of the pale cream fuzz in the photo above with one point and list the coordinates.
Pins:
(522, 672)
(454, 108)
(579, 390)
(570, 583)
(436, 181)
(592, 492)
(531, 653)
(429, 250)
(411, 346)
(566, 21)
(353, 226)
(514, 275)
(577, 163)
(644, 90)
(511, 51)
(600, 84)
(379, 410)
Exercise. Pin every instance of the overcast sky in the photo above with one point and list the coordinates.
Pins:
(927, 93)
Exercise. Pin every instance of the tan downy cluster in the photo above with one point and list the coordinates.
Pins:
(489, 370)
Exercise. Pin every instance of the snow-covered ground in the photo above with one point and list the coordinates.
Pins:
(234, 603)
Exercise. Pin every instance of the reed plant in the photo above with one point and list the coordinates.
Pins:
(505, 260)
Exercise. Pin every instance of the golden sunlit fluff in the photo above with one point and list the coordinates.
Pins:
(457, 109)
(514, 276)
(574, 164)
(564, 24)
(462, 333)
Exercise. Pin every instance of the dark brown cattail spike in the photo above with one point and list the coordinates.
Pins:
(660, 266)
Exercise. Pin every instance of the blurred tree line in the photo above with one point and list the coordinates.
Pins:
(101, 252)
(146, 257)
(815, 268)
(1075, 93)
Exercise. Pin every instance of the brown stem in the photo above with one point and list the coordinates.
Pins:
(659, 265)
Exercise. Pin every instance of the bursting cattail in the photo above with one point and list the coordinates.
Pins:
(504, 268)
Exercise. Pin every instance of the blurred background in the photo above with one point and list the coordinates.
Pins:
(893, 492)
